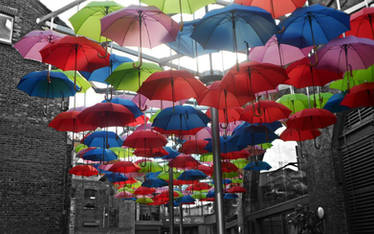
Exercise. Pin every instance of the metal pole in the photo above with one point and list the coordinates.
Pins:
(171, 201)
(181, 218)
(59, 11)
(218, 187)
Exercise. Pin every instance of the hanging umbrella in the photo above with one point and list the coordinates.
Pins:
(334, 103)
(128, 104)
(124, 167)
(30, 44)
(200, 135)
(151, 152)
(80, 147)
(100, 154)
(101, 74)
(277, 8)
(275, 53)
(82, 83)
(358, 77)
(230, 196)
(130, 76)
(102, 139)
(148, 166)
(291, 134)
(199, 195)
(106, 115)
(123, 194)
(144, 191)
(236, 154)
(184, 162)
(227, 144)
(187, 199)
(68, 122)
(227, 116)
(199, 187)
(47, 85)
(206, 158)
(144, 200)
(83, 170)
(122, 152)
(265, 112)
(232, 174)
(360, 96)
(179, 6)
(194, 147)
(253, 135)
(207, 170)
(236, 189)
(311, 119)
(164, 175)
(180, 120)
(192, 174)
(171, 153)
(258, 166)
(154, 183)
(295, 102)
(86, 22)
(145, 139)
(362, 23)
(228, 167)
(115, 177)
(240, 163)
(218, 97)
(319, 100)
(313, 25)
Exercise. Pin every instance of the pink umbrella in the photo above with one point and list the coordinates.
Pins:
(123, 194)
(30, 45)
(144, 103)
(200, 135)
(275, 53)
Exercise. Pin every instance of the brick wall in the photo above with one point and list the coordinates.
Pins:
(34, 158)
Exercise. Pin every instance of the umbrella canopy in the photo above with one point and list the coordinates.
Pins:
(199, 187)
(362, 23)
(265, 112)
(154, 183)
(187, 199)
(334, 103)
(228, 167)
(86, 22)
(227, 116)
(295, 102)
(144, 191)
(181, 6)
(208, 170)
(102, 139)
(313, 25)
(47, 85)
(144, 26)
(230, 196)
(354, 78)
(144, 200)
(171, 153)
(100, 154)
(312, 118)
(123, 194)
(236, 189)
(148, 166)
(145, 139)
(360, 96)
(240, 163)
(277, 8)
(124, 167)
(106, 115)
(180, 120)
(164, 175)
(184, 162)
(249, 134)
(319, 100)
(200, 135)
(128, 104)
(194, 147)
(227, 144)
(192, 174)
(151, 152)
(275, 53)
(83, 170)
(68, 122)
(80, 147)
(236, 154)
(291, 134)
(82, 83)
(30, 44)
(115, 177)
(234, 27)
(258, 166)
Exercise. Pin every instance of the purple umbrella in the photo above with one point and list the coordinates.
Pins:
(200, 135)
(30, 45)
(278, 54)
(144, 103)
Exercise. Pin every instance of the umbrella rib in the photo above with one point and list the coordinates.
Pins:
(146, 28)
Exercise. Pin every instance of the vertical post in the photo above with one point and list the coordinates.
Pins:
(171, 202)
(181, 218)
(218, 187)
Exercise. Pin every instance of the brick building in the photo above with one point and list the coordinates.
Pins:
(34, 183)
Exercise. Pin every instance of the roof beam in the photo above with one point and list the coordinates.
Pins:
(59, 11)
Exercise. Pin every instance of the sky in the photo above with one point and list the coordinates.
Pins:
(279, 154)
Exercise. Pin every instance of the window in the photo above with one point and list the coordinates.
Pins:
(6, 28)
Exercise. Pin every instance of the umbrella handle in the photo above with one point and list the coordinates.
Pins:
(224, 125)
(260, 113)
(315, 56)
(63, 107)
(281, 30)
(316, 145)
(105, 45)
(45, 109)
(143, 109)
(109, 94)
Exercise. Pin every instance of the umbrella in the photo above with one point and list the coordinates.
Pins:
(277, 8)
(240, 163)
(124, 167)
(128, 104)
(145, 139)
(200, 135)
(228, 167)
(234, 28)
(144, 200)
(249, 134)
(68, 121)
(208, 170)
(102, 139)
(199, 195)
(122, 152)
(161, 104)
(258, 166)
(128, 76)
(123, 194)
(164, 175)
(334, 103)
(80, 147)
(106, 115)
(185, 45)
(362, 23)
(357, 77)
(115, 177)
(227, 116)
(229, 196)
(227, 144)
(180, 120)
(83, 170)
(199, 187)
(171, 153)
(184, 162)
(179, 6)
(151, 152)
(360, 96)
(253, 77)
(192, 174)
(30, 44)
(206, 158)
(232, 174)
(312, 118)
(265, 112)
(101, 74)
(312, 25)
(172, 86)
(194, 147)
(187, 199)
(275, 53)
(86, 21)
(81, 81)
(236, 189)
(144, 191)
(148, 166)
(47, 84)
(295, 102)
(303, 74)
(291, 134)
(100, 154)
(236, 154)
(319, 100)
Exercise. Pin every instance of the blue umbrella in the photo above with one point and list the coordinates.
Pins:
(229, 196)
(192, 174)
(171, 153)
(210, 194)
(115, 177)
(333, 104)
(227, 181)
(100, 154)
(185, 45)
(37, 84)
(253, 135)
(180, 120)
(102, 139)
(313, 25)
(187, 199)
(227, 144)
(257, 166)
(234, 28)
(101, 74)
(128, 104)
(152, 175)
(271, 126)
(154, 183)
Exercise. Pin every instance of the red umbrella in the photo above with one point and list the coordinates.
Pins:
(172, 86)
(145, 139)
(303, 74)
(291, 134)
(236, 189)
(183, 182)
(277, 8)
(255, 150)
(194, 147)
(228, 116)
(83, 151)
(144, 191)
(235, 154)
(83, 170)
(362, 23)
(209, 199)
(311, 119)
(253, 77)
(198, 187)
(360, 96)
(68, 121)
(208, 170)
(184, 162)
(228, 167)
(124, 167)
(106, 115)
(150, 152)
(165, 194)
(139, 121)
(265, 112)
(131, 180)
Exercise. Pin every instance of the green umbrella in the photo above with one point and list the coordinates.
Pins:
(125, 76)
(295, 102)
(320, 99)
(126, 189)
(122, 152)
(266, 146)
(206, 158)
(240, 162)
(80, 147)
(144, 200)
(358, 77)
(237, 181)
(154, 116)
(198, 195)
(149, 166)
(86, 22)
(230, 174)
(81, 81)
(164, 175)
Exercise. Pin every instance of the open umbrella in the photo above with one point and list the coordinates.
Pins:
(82, 83)
(147, 166)
(171, 153)
(277, 8)
(184, 162)
(187, 199)
(258, 166)
(236, 154)
(227, 116)
(144, 191)
(312, 118)
(80, 147)
(250, 134)
(265, 112)
(192, 174)
(228, 167)
(360, 96)
(83, 170)
(230, 196)
(357, 77)
(145, 139)
(144, 200)
(236, 189)
(151, 152)
(295, 102)
(199, 187)
(362, 23)
(218, 97)
(240, 162)
(128, 104)
(194, 147)
(102, 139)
(100, 154)
(291, 134)
(124, 167)
(115, 177)
(208, 170)
(334, 103)
(68, 121)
